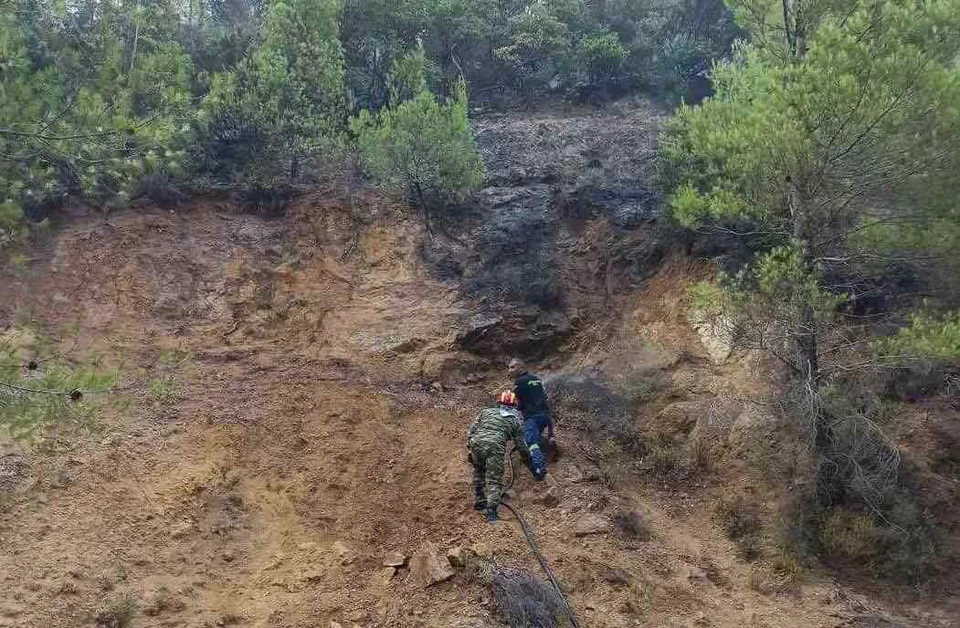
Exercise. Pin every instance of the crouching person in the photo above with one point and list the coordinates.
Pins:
(487, 442)
(532, 402)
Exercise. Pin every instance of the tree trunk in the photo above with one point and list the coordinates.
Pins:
(805, 337)
(423, 208)
(136, 39)
(795, 29)
(294, 168)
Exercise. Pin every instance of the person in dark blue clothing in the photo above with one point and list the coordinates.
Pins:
(532, 400)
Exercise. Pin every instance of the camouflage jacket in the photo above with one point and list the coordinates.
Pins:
(495, 426)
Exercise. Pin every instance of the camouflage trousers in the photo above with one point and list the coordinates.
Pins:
(488, 465)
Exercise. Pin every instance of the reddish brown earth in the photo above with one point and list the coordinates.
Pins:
(300, 438)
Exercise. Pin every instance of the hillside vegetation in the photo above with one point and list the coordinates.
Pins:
(263, 262)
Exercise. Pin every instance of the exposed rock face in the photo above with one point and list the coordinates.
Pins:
(716, 335)
(429, 566)
(680, 419)
(755, 428)
(601, 161)
(526, 331)
(450, 367)
(560, 191)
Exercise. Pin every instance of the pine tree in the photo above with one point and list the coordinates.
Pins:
(422, 148)
(813, 137)
(288, 97)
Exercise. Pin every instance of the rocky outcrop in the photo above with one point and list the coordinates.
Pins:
(754, 429)
(525, 331)
(602, 161)
(429, 567)
(716, 335)
(680, 419)
(395, 559)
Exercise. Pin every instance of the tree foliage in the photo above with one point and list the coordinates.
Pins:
(40, 391)
(108, 101)
(89, 118)
(532, 50)
(421, 147)
(285, 101)
(927, 336)
(829, 150)
(852, 121)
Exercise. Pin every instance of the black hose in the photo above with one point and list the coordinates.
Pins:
(528, 533)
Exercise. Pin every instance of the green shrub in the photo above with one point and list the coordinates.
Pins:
(40, 390)
(849, 536)
(600, 57)
(281, 105)
(927, 336)
(421, 147)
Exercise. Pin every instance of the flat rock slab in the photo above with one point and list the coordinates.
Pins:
(592, 524)
(394, 559)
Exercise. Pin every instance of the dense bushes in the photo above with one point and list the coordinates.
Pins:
(89, 107)
(106, 101)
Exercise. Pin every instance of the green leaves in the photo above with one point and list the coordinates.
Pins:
(602, 54)
(867, 108)
(284, 102)
(82, 110)
(408, 77)
(40, 392)
(421, 147)
(927, 336)
(830, 147)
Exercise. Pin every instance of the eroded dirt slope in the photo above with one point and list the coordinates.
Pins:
(313, 423)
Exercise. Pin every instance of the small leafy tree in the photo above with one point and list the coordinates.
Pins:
(537, 43)
(601, 57)
(422, 148)
(408, 76)
(839, 119)
(806, 144)
(283, 103)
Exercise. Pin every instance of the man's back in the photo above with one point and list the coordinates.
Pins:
(531, 395)
(496, 426)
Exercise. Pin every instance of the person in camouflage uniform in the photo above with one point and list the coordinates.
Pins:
(487, 442)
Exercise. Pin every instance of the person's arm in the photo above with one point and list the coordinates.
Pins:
(519, 442)
(517, 388)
